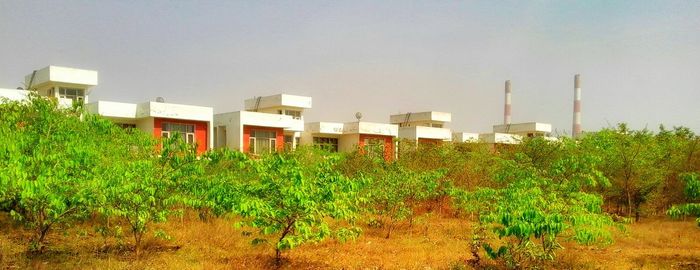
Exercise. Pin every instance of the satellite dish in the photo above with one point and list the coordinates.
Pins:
(358, 115)
(160, 100)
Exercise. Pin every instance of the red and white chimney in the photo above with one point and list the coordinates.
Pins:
(507, 109)
(576, 131)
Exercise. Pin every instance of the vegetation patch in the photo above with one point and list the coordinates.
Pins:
(77, 191)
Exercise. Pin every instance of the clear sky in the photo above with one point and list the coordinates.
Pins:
(639, 61)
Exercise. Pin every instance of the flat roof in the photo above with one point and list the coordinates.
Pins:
(62, 75)
(279, 100)
(352, 128)
(523, 127)
(150, 109)
(431, 116)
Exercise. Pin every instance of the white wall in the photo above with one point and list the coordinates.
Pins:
(279, 100)
(234, 128)
(220, 137)
(174, 111)
(523, 128)
(502, 138)
(415, 133)
(112, 109)
(408, 133)
(465, 137)
(14, 94)
(421, 117)
(320, 129)
(307, 138)
(234, 137)
(543, 127)
(348, 142)
(371, 128)
(324, 127)
(67, 75)
(286, 122)
(145, 124)
(20, 95)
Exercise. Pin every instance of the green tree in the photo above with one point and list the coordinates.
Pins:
(692, 193)
(49, 157)
(215, 192)
(632, 160)
(567, 162)
(145, 185)
(533, 210)
(294, 202)
(394, 192)
(680, 148)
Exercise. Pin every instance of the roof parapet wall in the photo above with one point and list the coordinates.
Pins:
(430, 116)
(279, 100)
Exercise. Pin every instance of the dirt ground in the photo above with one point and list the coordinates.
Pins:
(431, 243)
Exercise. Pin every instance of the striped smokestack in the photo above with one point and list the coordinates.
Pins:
(506, 109)
(576, 131)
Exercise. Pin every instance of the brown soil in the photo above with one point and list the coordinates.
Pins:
(431, 243)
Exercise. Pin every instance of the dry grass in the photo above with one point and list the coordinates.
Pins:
(650, 244)
(431, 243)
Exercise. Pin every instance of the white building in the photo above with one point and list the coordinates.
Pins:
(423, 127)
(67, 85)
(465, 137)
(530, 129)
(515, 133)
(72, 85)
(351, 136)
(268, 123)
(193, 123)
(500, 138)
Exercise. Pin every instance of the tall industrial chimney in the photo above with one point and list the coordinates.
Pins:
(576, 131)
(506, 109)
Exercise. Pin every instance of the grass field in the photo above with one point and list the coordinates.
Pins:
(432, 242)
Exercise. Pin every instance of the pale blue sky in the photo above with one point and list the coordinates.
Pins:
(639, 61)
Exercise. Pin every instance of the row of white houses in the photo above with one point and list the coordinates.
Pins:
(268, 123)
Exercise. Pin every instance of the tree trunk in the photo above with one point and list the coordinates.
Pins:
(38, 242)
(137, 243)
(278, 257)
(629, 205)
(278, 252)
(389, 228)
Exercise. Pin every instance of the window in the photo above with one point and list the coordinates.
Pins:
(288, 142)
(126, 126)
(262, 141)
(219, 136)
(329, 144)
(293, 114)
(74, 94)
(374, 147)
(186, 131)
